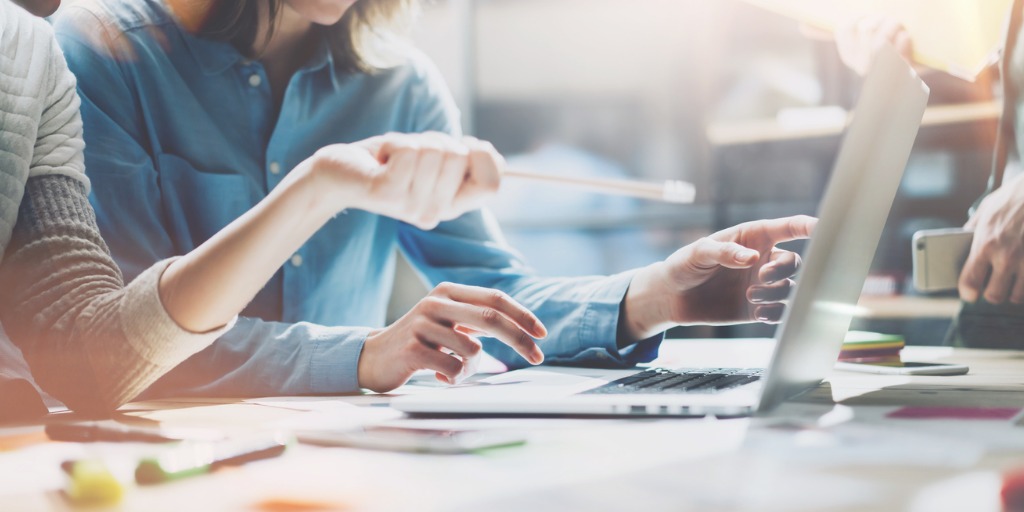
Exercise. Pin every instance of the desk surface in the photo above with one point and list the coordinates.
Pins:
(813, 455)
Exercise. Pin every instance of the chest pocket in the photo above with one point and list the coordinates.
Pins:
(197, 204)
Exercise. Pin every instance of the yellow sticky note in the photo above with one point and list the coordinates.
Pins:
(961, 37)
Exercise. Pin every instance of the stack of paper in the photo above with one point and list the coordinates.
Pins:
(871, 345)
(961, 37)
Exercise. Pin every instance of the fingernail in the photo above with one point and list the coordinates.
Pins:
(763, 318)
(538, 356)
(540, 331)
(757, 296)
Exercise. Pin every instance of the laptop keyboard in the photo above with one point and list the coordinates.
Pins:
(684, 380)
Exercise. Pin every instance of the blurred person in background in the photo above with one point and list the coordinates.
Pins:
(991, 283)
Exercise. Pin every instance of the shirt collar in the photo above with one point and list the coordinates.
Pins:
(322, 58)
(214, 57)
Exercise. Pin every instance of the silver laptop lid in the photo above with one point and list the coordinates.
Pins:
(856, 204)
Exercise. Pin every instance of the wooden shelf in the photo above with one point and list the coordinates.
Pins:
(907, 307)
(757, 131)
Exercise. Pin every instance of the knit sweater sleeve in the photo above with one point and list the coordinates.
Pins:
(59, 146)
(89, 340)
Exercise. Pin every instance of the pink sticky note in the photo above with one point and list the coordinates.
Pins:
(954, 413)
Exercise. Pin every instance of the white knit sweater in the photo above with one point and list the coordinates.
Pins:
(40, 127)
(89, 340)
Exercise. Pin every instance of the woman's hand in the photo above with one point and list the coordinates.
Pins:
(858, 42)
(735, 275)
(422, 179)
(440, 334)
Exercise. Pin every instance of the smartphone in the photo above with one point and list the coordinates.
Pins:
(904, 368)
(939, 256)
(421, 440)
(114, 431)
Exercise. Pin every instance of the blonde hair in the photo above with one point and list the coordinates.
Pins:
(372, 35)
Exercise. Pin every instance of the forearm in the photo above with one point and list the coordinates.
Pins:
(261, 358)
(207, 287)
(89, 341)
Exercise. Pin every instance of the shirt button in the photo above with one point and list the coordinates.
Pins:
(297, 260)
(275, 168)
(255, 80)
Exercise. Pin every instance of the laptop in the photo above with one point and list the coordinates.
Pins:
(867, 173)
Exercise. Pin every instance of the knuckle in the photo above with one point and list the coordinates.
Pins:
(490, 317)
(487, 147)
(431, 305)
(988, 246)
(444, 288)
(499, 298)
(420, 325)
(431, 152)
(524, 340)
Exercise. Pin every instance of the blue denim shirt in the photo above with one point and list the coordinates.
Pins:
(182, 137)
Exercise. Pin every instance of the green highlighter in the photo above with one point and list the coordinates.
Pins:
(193, 458)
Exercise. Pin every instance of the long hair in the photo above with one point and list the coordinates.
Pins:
(370, 36)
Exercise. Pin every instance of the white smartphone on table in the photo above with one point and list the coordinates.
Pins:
(904, 368)
(421, 440)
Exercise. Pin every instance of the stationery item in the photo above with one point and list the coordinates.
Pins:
(194, 458)
(900, 367)
(110, 430)
(90, 483)
(858, 345)
(421, 440)
(961, 37)
(672, 191)
(954, 413)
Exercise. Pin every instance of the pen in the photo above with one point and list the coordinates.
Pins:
(671, 191)
(190, 459)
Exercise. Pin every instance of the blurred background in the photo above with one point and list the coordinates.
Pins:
(742, 102)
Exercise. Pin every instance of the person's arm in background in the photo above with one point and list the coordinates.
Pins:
(859, 40)
(994, 270)
(603, 320)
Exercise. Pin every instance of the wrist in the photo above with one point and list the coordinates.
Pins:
(316, 181)
(646, 309)
(364, 367)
